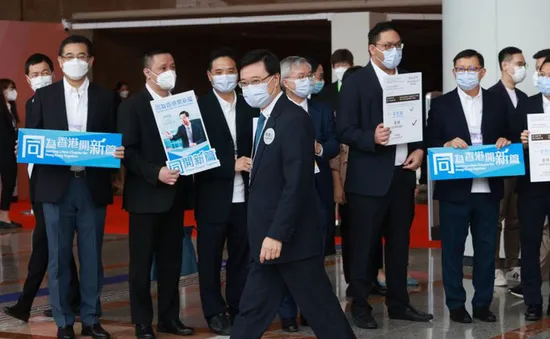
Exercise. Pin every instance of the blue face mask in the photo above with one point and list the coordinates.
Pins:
(317, 87)
(392, 58)
(467, 80)
(257, 96)
(543, 84)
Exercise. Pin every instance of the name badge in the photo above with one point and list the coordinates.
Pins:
(269, 136)
(477, 139)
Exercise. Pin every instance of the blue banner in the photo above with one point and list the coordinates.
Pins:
(481, 161)
(64, 148)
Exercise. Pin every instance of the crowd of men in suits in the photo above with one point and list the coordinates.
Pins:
(275, 190)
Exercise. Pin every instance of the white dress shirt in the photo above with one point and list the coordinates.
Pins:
(153, 93)
(473, 111)
(513, 95)
(546, 104)
(401, 150)
(230, 113)
(268, 109)
(76, 104)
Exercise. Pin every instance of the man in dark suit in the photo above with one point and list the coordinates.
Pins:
(380, 182)
(74, 198)
(296, 76)
(222, 193)
(190, 132)
(156, 198)
(513, 69)
(283, 213)
(39, 72)
(468, 116)
(533, 205)
(341, 60)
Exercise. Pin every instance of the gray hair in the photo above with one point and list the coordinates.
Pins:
(288, 63)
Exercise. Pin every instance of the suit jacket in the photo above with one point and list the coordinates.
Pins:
(516, 114)
(330, 95)
(322, 117)
(8, 135)
(32, 181)
(370, 166)
(447, 121)
(283, 203)
(214, 188)
(144, 157)
(196, 130)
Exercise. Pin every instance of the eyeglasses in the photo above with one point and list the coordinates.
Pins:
(544, 75)
(389, 45)
(302, 77)
(83, 57)
(467, 69)
(257, 81)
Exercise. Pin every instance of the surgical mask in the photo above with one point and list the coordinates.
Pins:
(303, 87)
(41, 81)
(224, 83)
(519, 74)
(339, 72)
(535, 79)
(392, 57)
(257, 96)
(11, 94)
(166, 80)
(75, 69)
(124, 94)
(543, 85)
(467, 80)
(317, 87)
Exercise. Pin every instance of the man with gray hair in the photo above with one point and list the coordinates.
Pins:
(296, 81)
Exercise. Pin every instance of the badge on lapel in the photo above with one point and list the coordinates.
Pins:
(269, 136)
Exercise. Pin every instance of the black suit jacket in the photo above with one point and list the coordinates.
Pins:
(283, 203)
(144, 157)
(196, 129)
(447, 121)
(214, 188)
(516, 114)
(370, 166)
(329, 95)
(49, 112)
(32, 184)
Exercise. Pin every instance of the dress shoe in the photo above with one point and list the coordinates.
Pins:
(378, 289)
(66, 332)
(144, 332)
(48, 313)
(95, 331)
(289, 325)
(484, 314)
(533, 313)
(365, 320)
(175, 327)
(460, 315)
(303, 321)
(220, 324)
(14, 312)
(411, 314)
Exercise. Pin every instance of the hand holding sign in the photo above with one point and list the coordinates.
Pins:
(381, 135)
(456, 143)
(502, 142)
(525, 138)
(168, 176)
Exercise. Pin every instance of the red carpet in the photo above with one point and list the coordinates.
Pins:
(117, 222)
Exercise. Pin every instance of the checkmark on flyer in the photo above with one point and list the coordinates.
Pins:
(414, 123)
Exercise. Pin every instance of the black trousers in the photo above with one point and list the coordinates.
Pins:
(159, 235)
(370, 218)
(38, 265)
(210, 244)
(8, 173)
(309, 285)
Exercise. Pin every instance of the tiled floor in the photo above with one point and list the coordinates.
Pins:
(425, 266)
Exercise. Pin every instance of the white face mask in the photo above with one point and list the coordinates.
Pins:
(536, 79)
(339, 72)
(166, 80)
(41, 81)
(519, 74)
(75, 69)
(124, 94)
(11, 94)
(224, 83)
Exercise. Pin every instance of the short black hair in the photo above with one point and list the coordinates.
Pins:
(341, 55)
(314, 64)
(184, 113)
(506, 54)
(148, 56)
(36, 59)
(543, 53)
(470, 53)
(119, 85)
(546, 61)
(379, 28)
(270, 60)
(350, 71)
(77, 39)
(224, 52)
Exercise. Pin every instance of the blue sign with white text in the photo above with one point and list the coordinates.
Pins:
(65, 148)
(481, 161)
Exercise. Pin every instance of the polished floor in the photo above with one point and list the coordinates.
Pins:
(425, 266)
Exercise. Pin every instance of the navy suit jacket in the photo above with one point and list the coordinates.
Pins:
(446, 121)
(283, 203)
(517, 114)
(196, 129)
(329, 95)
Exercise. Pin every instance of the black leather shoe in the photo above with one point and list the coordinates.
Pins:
(303, 321)
(378, 289)
(460, 315)
(14, 312)
(484, 314)
(95, 331)
(289, 325)
(66, 332)
(220, 324)
(48, 313)
(145, 332)
(411, 314)
(533, 313)
(175, 327)
(365, 320)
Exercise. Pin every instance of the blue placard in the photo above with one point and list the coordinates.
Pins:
(475, 162)
(64, 148)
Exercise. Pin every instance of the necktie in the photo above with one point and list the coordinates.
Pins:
(259, 129)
